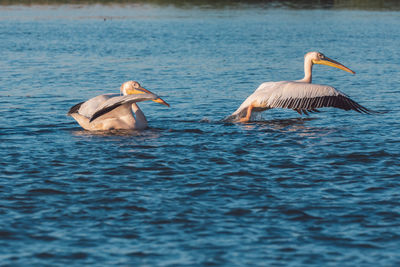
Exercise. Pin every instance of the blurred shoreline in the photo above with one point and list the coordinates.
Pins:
(379, 5)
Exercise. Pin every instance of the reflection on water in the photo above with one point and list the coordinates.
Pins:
(290, 4)
(299, 126)
(280, 124)
(147, 134)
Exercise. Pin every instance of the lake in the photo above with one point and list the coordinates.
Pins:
(283, 190)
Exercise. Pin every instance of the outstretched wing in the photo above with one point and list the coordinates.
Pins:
(117, 101)
(305, 97)
(299, 96)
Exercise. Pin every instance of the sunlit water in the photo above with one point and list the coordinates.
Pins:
(192, 190)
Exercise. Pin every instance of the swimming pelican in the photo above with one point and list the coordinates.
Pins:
(115, 111)
(300, 95)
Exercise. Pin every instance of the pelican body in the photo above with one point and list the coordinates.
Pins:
(115, 111)
(301, 95)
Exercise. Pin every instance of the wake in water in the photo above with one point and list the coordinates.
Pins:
(233, 118)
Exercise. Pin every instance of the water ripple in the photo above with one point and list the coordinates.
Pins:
(192, 189)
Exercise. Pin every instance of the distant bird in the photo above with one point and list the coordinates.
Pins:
(301, 96)
(115, 111)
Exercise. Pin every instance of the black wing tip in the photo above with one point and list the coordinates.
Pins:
(361, 109)
(74, 108)
(303, 106)
(95, 116)
(103, 111)
(372, 112)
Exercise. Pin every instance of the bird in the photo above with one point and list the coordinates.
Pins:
(300, 95)
(115, 111)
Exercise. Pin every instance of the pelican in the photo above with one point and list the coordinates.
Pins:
(301, 95)
(115, 111)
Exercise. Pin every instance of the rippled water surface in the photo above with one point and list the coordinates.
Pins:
(192, 190)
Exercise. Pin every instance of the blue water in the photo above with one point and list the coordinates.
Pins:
(285, 190)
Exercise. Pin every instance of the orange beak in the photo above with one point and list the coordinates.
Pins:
(142, 90)
(330, 62)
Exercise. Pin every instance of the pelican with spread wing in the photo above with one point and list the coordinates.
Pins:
(115, 111)
(301, 96)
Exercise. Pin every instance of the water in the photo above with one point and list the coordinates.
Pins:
(191, 190)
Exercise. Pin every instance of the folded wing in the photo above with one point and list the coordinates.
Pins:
(118, 101)
(89, 107)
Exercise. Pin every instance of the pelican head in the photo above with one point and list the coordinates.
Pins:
(319, 58)
(133, 87)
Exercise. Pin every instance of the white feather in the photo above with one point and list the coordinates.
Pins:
(267, 94)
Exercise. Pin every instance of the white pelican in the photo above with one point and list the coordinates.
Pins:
(301, 95)
(115, 111)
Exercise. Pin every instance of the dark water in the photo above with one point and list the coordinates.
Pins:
(191, 190)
